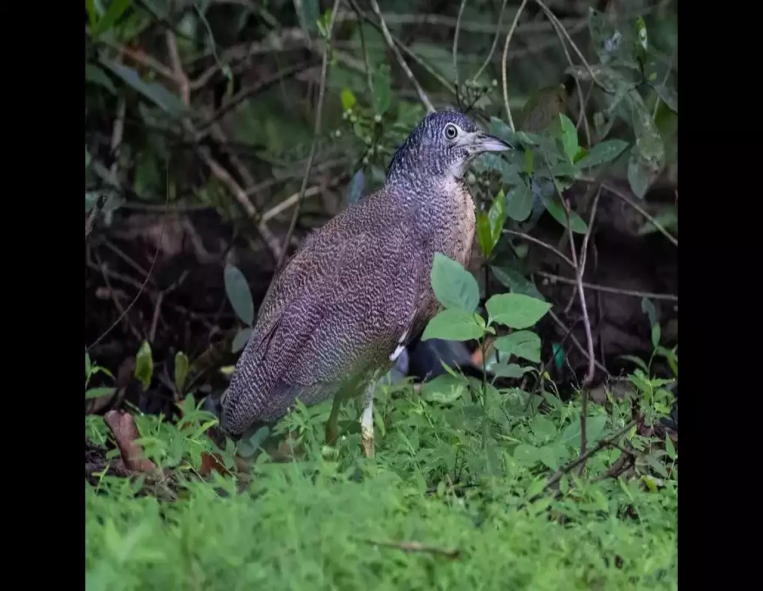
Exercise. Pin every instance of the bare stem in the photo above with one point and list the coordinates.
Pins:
(316, 133)
(495, 43)
(455, 45)
(503, 63)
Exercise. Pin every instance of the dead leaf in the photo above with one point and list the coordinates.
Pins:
(125, 431)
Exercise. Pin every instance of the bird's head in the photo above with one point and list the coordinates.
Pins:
(444, 144)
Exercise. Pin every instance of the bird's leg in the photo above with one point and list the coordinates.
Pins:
(367, 421)
(332, 431)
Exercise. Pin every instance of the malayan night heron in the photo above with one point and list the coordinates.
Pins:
(339, 313)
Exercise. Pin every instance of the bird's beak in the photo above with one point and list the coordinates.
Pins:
(489, 143)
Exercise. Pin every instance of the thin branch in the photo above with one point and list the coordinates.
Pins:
(643, 212)
(316, 134)
(369, 76)
(455, 45)
(400, 59)
(583, 458)
(615, 290)
(563, 34)
(529, 238)
(415, 547)
(495, 44)
(503, 63)
(576, 342)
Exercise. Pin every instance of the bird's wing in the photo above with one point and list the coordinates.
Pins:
(340, 306)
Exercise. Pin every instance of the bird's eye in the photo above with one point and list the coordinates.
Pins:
(451, 131)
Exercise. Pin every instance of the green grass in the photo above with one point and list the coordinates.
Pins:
(336, 520)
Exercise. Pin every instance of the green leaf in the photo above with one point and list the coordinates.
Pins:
(453, 325)
(529, 162)
(241, 339)
(569, 136)
(87, 364)
(594, 429)
(87, 158)
(237, 290)
(484, 236)
(523, 343)
(638, 361)
(527, 454)
(656, 334)
(181, 370)
(444, 389)
(497, 217)
(115, 10)
(99, 392)
(656, 465)
(507, 370)
(670, 449)
(454, 286)
(516, 310)
(348, 99)
(92, 14)
(519, 204)
(609, 43)
(542, 427)
(95, 75)
(557, 210)
(516, 282)
(658, 75)
(144, 365)
(547, 455)
(648, 155)
(651, 312)
(602, 153)
(156, 93)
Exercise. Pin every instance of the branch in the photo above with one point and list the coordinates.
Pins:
(615, 290)
(316, 133)
(503, 63)
(455, 45)
(529, 238)
(400, 59)
(495, 43)
(576, 342)
(643, 212)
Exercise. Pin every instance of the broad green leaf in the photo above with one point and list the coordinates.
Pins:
(602, 153)
(649, 309)
(99, 392)
(656, 465)
(656, 334)
(87, 364)
(594, 429)
(453, 325)
(348, 99)
(670, 448)
(90, 201)
(181, 370)
(519, 204)
(507, 370)
(648, 155)
(527, 454)
(515, 310)
(547, 455)
(638, 361)
(529, 162)
(154, 92)
(497, 217)
(557, 210)
(484, 236)
(658, 75)
(444, 389)
(454, 286)
(241, 339)
(569, 137)
(542, 427)
(115, 10)
(92, 13)
(610, 44)
(516, 282)
(144, 365)
(95, 75)
(239, 295)
(522, 343)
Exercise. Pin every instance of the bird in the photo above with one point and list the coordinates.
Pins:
(356, 291)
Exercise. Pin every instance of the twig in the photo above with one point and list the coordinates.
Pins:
(369, 77)
(615, 290)
(643, 212)
(583, 458)
(455, 46)
(529, 238)
(503, 63)
(114, 297)
(415, 547)
(316, 134)
(399, 56)
(575, 341)
(204, 153)
(563, 34)
(495, 43)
